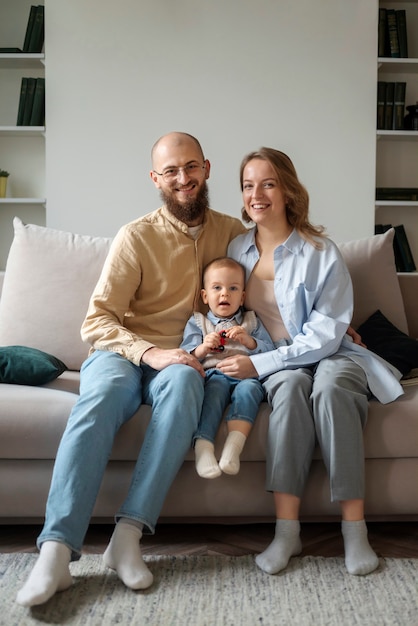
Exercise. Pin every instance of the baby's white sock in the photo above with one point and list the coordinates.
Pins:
(234, 444)
(286, 543)
(123, 554)
(51, 573)
(360, 559)
(206, 463)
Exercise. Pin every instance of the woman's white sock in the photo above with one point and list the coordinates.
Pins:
(360, 559)
(286, 543)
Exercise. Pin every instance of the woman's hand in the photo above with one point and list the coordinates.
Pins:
(239, 366)
(355, 336)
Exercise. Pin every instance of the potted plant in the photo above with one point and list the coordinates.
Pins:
(3, 182)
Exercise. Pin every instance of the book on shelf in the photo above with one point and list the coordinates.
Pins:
(31, 109)
(405, 250)
(399, 106)
(392, 33)
(35, 29)
(22, 100)
(402, 36)
(30, 94)
(37, 117)
(392, 27)
(390, 105)
(404, 261)
(382, 44)
(381, 101)
(10, 50)
(403, 194)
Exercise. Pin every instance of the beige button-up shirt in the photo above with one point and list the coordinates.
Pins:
(151, 280)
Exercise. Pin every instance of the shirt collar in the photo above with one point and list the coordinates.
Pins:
(238, 317)
(294, 243)
(178, 223)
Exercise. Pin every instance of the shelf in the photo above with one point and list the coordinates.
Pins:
(397, 135)
(399, 66)
(22, 200)
(22, 60)
(411, 203)
(22, 130)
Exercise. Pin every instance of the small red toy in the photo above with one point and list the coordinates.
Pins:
(221, 348)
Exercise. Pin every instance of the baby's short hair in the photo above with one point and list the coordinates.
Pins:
(224, 261)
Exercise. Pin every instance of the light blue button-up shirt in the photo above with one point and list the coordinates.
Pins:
(314, 294)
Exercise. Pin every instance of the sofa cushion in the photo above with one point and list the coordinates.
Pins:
(20, 365)
(383, 338)
(371, 263)
(50, 275)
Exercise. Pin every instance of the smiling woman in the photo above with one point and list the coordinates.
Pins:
(316, 381)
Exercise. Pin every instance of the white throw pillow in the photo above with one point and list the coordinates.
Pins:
(371, 263)
(50, 276)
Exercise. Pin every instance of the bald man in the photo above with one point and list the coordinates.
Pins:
(148, 288)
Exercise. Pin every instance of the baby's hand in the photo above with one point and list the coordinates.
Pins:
(212, 341)
(238, 333)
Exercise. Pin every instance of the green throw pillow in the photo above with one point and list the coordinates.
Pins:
(20, 365)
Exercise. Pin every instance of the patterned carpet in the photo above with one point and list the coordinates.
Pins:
(221, 591)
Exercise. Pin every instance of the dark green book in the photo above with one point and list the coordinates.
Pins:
(30, 94)
(38, 108)
(29, 28)
(390, 95)
(36, 41)
(22, 100)
(399, 106)
(402, 37)
(381, 99)
(10, 50)
(397, 193)
(381, 48)
(393, 33)
(405, 250)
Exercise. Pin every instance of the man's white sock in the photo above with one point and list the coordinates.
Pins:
(51, 573)
(123, 554)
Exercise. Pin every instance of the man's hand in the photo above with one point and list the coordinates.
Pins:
(159, 359)
(239, 366)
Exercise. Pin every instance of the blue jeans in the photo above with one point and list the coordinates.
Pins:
(111, 390)
(244, 397)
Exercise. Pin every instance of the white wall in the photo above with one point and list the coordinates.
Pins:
(297, 75)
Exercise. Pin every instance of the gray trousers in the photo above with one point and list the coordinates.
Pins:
(327, 405)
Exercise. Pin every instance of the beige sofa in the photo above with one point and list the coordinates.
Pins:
(46, 287)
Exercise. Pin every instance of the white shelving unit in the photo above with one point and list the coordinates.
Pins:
(397, 150)
(22, 148)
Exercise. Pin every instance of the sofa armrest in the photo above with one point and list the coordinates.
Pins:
(409, 288)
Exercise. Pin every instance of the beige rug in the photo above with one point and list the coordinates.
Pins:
(221, 591)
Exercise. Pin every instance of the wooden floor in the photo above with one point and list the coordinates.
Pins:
(388, 539)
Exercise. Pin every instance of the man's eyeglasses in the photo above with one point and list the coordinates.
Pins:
(172, 173)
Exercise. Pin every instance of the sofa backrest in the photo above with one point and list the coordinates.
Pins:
(50, 275)
(49, 278)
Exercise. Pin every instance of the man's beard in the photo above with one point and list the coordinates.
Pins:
(190, 211)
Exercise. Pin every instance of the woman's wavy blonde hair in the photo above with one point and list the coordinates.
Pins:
(296, 195)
